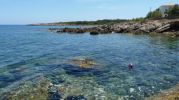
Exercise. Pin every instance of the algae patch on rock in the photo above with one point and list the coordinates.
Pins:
(83, 62)
(29, 91)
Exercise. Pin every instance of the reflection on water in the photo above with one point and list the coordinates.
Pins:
(37, 62)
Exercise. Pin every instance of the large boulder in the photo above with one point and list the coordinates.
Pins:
(94, 33)
(163, 28)
(150, 26)
(174, 26)
(169, 27)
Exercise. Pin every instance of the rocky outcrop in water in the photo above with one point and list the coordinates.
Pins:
(84, 63)
(169, 27)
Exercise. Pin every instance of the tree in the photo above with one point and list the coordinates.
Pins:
(154, 14)
(140, 19)
(173, 12)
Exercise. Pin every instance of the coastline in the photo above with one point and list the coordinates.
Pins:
(165, 27)
(168, 94)
(61, 66)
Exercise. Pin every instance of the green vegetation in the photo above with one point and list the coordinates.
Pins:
(98, 22)
(102, 22)
(154, 14)
(140, 19)
(173, 12)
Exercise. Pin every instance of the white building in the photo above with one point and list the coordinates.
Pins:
(164, 8)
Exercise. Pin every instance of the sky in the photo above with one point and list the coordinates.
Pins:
(44, 11)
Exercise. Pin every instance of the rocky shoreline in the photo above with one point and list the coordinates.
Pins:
(168, 94)
(167, 27)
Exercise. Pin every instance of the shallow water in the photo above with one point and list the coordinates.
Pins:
(29, 51)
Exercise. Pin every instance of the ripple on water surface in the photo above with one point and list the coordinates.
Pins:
(32, 59)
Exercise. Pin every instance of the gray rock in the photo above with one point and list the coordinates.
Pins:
(150, 26)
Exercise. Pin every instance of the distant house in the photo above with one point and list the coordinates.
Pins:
(164, 8)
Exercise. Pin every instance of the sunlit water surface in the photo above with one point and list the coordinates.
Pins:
(29, 51)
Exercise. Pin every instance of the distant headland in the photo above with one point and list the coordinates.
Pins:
(164, 20)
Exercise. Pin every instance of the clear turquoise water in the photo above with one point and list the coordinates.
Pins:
(27, 51)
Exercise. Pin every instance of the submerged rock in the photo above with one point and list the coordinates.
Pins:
(28, 91)
(82, 66)
(84, 62)
(80, 97)
(53, 94)
(94, 33)
(169, 94)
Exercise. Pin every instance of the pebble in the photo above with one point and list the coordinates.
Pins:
(80, 97)
(153, 87)
(139, 88)
(101, 90)
(50, 84)
(131, 90)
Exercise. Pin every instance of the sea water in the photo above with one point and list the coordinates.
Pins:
(30, 51)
